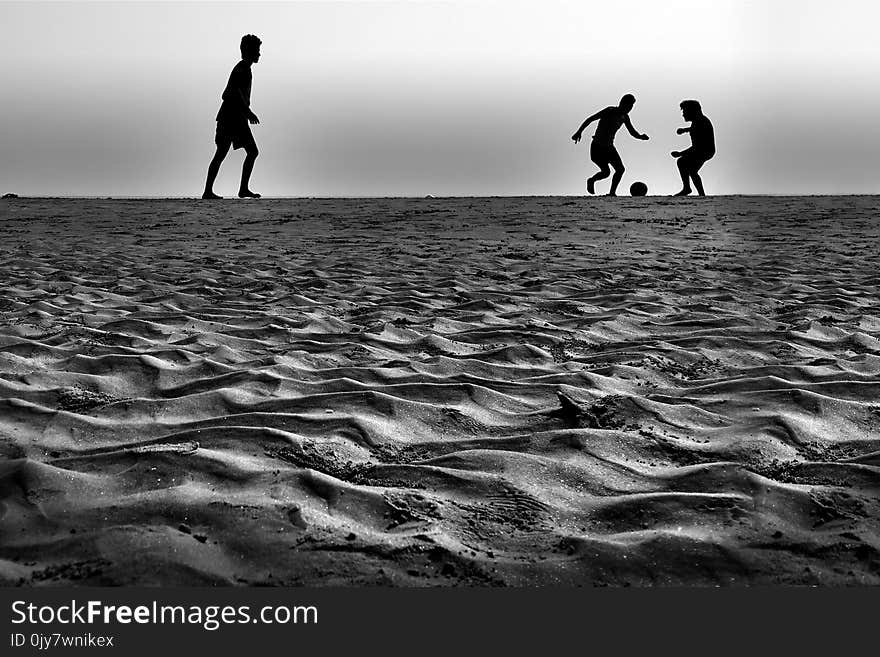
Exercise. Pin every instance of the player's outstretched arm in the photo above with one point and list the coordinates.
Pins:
(576, 137)
(252, 118)
(635, 133)
(681, 131)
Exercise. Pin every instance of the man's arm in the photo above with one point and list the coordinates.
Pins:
(234, 95)
(686, 151)
(246, 108)
(576, 137)
(633, 131)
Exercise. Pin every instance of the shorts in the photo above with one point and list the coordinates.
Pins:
(604, 153)
(693, 161)
(236, 131)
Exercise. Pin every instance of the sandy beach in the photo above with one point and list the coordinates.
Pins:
(478, 392)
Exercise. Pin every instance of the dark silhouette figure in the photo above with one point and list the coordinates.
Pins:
(233, 120)
(702, 147)
(602, 150)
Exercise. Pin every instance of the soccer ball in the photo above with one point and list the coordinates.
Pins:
(638, 189)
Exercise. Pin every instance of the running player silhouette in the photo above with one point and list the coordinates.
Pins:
(602, 150)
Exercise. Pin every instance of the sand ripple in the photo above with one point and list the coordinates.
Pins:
(471, 391)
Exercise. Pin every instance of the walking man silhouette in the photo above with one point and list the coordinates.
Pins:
(602, 150)
(233, 120)
(702, 147)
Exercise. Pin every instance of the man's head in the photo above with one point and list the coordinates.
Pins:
(250, 48)
(690, 109)
(627, 102)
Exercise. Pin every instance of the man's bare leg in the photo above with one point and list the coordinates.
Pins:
(617, 165)
(591, 182)
(698, 183)
(246, 169)
(615, 181)
(685, 185)
(214, 169)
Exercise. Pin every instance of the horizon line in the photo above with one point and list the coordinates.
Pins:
(426, 197)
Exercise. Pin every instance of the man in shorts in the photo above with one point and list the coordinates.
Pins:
(233, 121)
(702, 146)
(602, 150)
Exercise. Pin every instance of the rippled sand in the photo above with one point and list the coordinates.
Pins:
(466, 391)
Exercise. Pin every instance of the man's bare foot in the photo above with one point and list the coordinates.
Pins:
(210, 196)
(683, 192)
(591, 186)
(246, 193)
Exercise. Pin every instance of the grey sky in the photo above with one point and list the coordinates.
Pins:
(415, 98)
